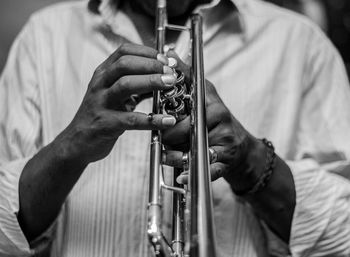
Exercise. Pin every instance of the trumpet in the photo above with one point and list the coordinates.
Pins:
(193, 233)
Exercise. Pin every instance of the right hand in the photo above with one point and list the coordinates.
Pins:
(104, 114)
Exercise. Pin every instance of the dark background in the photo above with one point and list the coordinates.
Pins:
(332, 15)
(338, 14)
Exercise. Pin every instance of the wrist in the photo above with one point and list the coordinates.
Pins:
(66, 150)
(250, 170)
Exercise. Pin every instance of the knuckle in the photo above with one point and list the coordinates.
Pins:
(124, 48)
(93, 89)
(123, 61)
(131, 121)
(98, 123)
(121, 49)
(228, 135)
(233, 150)
(99, 70)
(98, 119)
(96, 82)
(99, 76)
(227, 117)
(155, 121)
(123, 84)
(219, 172)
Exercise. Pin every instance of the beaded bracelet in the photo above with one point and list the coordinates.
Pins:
(267, 173)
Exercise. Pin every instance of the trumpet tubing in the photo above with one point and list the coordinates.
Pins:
(193, 227)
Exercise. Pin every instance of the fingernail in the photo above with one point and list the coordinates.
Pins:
(181, 179)
(168, 121)
(169, 47)
(172, 62)
(163, 59)
(168, 79)
(167, 70)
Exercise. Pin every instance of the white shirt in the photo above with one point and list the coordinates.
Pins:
(276, 72)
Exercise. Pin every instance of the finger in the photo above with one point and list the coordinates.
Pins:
(222, 134)
(130, 65)
(217, 113)
(136, 65)
(219, 154)
(173, 158)
(218, 170)
(131, 49)
(179, 134)
(139, 121)
(229, 150)
(212, 96)
(140, 84)
(182, 179)
(226, 144)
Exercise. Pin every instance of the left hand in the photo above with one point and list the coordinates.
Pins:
(238, 155)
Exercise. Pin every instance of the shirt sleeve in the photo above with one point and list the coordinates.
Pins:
(20, 135)
(321, 222)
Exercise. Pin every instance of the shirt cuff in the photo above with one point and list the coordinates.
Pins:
(321, 221)
(12, 240)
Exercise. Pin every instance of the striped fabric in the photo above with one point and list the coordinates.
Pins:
(275, 71)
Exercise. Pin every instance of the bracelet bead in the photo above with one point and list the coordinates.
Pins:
(265, 177)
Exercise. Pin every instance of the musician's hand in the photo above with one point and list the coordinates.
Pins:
(105, 111)
(241, 159)
(236, 151)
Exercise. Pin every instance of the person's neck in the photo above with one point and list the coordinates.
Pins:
(145, 25)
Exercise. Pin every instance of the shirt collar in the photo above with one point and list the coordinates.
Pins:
(238, 4)
(112, 17)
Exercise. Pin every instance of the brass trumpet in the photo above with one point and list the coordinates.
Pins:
(193, 226)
